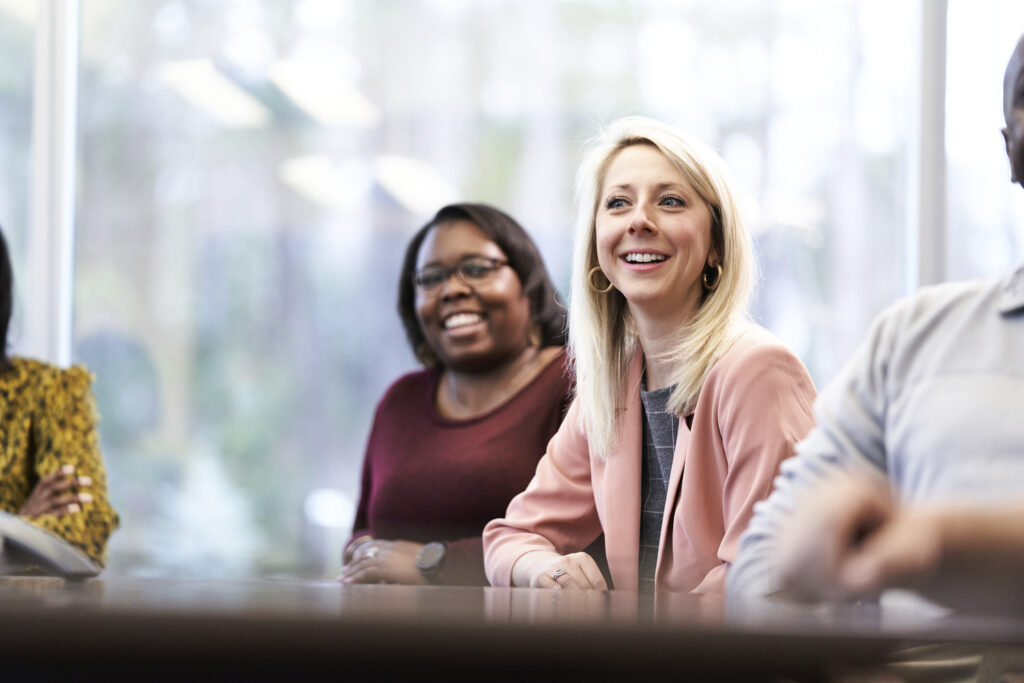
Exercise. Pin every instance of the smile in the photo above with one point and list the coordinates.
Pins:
(645, 257)
(461, 320)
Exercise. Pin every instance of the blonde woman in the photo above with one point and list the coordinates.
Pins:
(684, 408)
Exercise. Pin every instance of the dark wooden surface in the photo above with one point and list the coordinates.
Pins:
(159, 629)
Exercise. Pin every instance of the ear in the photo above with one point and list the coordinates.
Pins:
(713, 258)
(1009, 154)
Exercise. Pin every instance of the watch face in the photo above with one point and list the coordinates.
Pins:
(430, 557)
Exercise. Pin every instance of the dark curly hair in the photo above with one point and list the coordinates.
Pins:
(546, 307)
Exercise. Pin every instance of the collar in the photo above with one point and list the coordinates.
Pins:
(1011, 296)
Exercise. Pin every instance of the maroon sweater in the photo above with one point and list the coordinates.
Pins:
(428, 478)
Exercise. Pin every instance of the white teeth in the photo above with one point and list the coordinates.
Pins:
(460, 319)
(644, 258)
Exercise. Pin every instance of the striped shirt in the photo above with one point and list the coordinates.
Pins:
(660, 430)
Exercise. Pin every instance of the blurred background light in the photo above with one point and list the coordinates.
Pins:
(414, 183)
(321, 180)
(23, 11)
(201, 83)
(329, 508)
(324, 94)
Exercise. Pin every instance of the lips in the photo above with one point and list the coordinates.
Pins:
(643, 257)
(461, 319)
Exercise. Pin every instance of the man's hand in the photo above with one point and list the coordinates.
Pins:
(848, 539)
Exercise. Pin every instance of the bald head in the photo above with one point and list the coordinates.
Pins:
(1012, 84)
(1013, 111)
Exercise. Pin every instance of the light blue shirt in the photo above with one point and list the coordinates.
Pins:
(934, 398)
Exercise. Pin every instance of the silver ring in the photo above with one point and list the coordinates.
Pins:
(557, 573)
(371, 553)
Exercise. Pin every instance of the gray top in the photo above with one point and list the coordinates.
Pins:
(934, 398)
(660, 430)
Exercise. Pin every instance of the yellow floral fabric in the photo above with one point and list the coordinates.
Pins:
(48, 420)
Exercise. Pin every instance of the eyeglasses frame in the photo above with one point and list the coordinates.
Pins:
(456, 270)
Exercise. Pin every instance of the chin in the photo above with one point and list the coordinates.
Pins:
(473, 362)
(639, 297)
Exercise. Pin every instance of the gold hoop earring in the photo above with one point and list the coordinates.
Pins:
(712, 286)
(590, 281)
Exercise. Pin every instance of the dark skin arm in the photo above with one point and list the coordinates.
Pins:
(381, 561)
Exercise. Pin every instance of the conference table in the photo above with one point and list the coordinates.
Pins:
(180, 629)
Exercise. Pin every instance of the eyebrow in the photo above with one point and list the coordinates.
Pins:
(659, 187)
(459, 260)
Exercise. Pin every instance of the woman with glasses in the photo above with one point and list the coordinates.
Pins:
(453, 443)
(684, 408)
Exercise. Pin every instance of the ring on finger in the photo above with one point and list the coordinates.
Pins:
(371, 553)
(558, 573)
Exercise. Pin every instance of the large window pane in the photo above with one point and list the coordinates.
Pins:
(17, 60)
(250, 172)
(986, 213)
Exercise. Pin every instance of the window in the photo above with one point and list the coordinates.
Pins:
(249, 173)
(17, 21)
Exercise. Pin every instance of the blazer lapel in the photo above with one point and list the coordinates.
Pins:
(621, 515)
(675, 481)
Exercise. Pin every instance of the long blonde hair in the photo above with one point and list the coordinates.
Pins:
(602, 337)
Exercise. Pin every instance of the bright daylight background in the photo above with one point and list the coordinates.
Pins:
(248, 173)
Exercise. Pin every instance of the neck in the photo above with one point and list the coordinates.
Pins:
(466, 394)
(659, 336)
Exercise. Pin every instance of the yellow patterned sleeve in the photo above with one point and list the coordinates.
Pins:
(65, 433)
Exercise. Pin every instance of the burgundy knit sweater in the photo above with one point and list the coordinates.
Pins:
(428, 478)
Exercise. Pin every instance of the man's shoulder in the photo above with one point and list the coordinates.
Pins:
(931, 304)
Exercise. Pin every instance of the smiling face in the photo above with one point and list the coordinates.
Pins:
(471, 328)
(653, 235)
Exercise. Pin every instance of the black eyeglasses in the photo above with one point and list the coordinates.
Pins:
(472, 270)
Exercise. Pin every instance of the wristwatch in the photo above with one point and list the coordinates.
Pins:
(430, 558)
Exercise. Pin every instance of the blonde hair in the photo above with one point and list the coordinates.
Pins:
(602, 337)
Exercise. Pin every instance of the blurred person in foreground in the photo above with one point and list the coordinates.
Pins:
(53, 473)
(914, 475)
(684, 408)
(453, 443)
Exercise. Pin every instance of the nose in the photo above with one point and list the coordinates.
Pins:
(639, 221)
(453, 287)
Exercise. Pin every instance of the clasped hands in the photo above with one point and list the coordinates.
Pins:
(375, 560)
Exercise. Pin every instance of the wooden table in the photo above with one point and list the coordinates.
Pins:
(159, 629)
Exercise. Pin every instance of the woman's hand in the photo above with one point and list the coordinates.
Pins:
(575, 571)
(379, 561)
(57, 494)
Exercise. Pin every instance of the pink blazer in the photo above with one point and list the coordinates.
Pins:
(755, 405)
